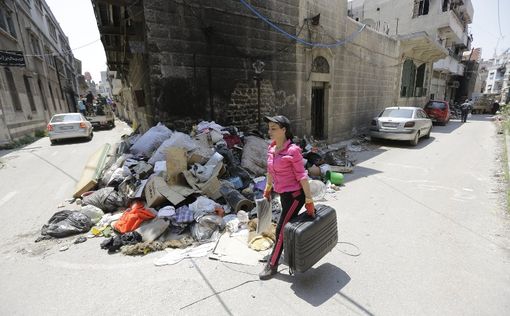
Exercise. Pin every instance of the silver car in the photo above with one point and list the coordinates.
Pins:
(69, 125)
(401, 123)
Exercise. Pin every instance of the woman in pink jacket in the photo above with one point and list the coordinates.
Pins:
(287, 177)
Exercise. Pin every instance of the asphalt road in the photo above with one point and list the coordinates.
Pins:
(423, 231)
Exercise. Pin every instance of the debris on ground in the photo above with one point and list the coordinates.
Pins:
(180, 193)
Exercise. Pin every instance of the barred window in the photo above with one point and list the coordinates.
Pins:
(6, 22)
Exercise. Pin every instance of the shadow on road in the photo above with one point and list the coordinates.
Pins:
(318, 285)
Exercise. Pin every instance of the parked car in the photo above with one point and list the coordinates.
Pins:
(438, 111)
(69, 125)
(401, 123)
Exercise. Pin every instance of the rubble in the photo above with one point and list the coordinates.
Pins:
(170, 191)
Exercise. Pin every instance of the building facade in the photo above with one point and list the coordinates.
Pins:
(445, 21)
(41, 81)
(498, 76)
(236, 61)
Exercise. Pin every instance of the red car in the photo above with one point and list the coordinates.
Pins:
(438, 111)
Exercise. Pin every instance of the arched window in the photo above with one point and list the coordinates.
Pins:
(408, 76)
(320, 65)
(420, 81)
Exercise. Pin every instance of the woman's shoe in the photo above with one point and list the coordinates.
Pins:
(268, 272)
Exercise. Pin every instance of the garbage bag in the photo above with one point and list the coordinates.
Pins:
(206, 227)
(177, 139)
(94, 213)
(107, 199)
(151, 140)
(66, 223)
(255, 155)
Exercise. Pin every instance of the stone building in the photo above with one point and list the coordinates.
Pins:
(234, 61)
(37, 77)
(444, 21)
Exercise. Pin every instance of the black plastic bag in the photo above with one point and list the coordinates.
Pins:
(107, 199)
(66, 223)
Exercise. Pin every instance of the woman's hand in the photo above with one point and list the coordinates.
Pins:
(310, 207)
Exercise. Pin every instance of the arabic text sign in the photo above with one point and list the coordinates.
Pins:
(12, 58)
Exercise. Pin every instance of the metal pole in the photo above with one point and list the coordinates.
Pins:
(258, 103)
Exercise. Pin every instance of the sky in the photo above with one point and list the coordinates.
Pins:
(77, 20)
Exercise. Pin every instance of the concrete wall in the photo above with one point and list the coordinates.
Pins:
(199, 56)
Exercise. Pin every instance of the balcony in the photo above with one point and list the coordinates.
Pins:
(450, 26)
(467, 11)
(450, 65)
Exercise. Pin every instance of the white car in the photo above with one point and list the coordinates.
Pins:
(69, 125)
(401, 123)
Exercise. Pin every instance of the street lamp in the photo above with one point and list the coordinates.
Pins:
(258, 67)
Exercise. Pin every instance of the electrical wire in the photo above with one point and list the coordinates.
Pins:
(64, 52)
(337, 43)
(217, 293)
(499, 21)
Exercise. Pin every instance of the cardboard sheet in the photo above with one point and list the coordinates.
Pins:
(235, 250)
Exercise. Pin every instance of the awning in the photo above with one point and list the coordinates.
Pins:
(420, 46)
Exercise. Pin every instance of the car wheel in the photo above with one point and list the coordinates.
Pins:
(427, 136)
(90, 136)
(374, 139)
(53, 141)
(416, 138)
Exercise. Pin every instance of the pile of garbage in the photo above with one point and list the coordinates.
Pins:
(167, 189)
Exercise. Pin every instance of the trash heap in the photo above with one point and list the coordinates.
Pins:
(167, 189)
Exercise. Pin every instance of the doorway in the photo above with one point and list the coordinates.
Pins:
(318, 110)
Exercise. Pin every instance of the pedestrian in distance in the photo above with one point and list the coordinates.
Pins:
(287, 177)
(465, 108)
(495, 107)
(81, 106)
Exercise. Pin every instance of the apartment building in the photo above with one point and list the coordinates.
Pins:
(498, 75)
(38, 70)
(445, 21)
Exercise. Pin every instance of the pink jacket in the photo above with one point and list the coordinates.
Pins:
(286, 167)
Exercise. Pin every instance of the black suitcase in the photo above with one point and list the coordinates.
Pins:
(306, 239)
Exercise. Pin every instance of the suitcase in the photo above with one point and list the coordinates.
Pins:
(306, 240)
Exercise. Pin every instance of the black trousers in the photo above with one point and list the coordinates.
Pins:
(464, 115)
(292, 202)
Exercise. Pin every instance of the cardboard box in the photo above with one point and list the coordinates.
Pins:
(157, 192)
(211, 187)
(176, 163)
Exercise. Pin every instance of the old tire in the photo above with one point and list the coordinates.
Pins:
(416, 138)
(90, 136)
(427, 136)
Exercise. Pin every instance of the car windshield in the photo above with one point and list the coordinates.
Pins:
(404, 113)
(436, 105)
(66, 118)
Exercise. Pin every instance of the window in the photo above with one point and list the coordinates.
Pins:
(16, 104)
(43, 96)
(421, 7)
(66, 118)
(408, 77)
(489, 88)
(48, 55)
(34, 42)
(6, 22)
(491, 76)
(38, 4)
(52, 97)
(445, 5)
(51, 28)
(402, 113)
(29, 94)
(420, 81)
